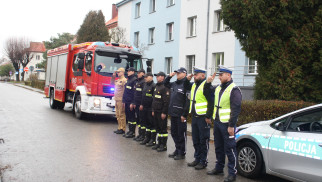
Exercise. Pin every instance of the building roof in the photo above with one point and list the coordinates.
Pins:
(37, 47)
(112, 21)
(122, 3)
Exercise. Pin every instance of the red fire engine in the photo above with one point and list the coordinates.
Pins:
(80, 74)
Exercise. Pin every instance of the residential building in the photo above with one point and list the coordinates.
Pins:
(36, 50)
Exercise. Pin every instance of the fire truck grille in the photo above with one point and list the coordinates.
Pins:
(108, 90)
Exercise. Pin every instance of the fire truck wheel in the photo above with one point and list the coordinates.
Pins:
(52, 101)
(77, 108)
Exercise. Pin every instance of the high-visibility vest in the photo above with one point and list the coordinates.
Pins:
(199, 99)
(224, 103)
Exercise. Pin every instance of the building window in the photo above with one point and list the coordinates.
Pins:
(152, 6)
(168, 65)
(192, 21)
(190, 63)
(252, 66)
(218, 22)
(137, 10)
(37, 57)
(136, 38)
(151, 35)
(151, 67)
(217, 59)
(169, 32)
(170, 2)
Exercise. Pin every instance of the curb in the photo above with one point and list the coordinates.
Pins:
(28, 88)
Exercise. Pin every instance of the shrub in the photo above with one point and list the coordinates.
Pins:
(260, 110)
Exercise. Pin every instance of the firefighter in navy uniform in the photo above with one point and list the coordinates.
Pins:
(127, 100)
(146, 107)
(227, 106)
(201, 117)
(160, 106)
(137, 102)
(178, 103)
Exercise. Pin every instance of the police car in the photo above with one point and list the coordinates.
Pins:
(289, 146)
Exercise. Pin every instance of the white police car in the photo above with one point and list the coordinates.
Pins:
(289, 146)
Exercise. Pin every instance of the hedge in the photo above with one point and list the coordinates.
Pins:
(40, 84)
(260, 110)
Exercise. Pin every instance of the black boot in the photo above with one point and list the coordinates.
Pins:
(139, 135)
(147, 138)
(152, 140)
(141, 138)
(156, 147)
(132, 131)
(163, 146)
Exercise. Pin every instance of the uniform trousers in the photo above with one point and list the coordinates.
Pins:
(200, 138)
(120, 115)
(179, 134)
(225, 145)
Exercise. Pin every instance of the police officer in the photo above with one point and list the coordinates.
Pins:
(118, 96)
(201, 117)
(159, 112)
(127, 100)
(146, 107)
(177, 105)
(227, 104)
(137, 102)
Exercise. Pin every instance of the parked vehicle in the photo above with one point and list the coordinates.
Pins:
(80, 74)
(289, 146)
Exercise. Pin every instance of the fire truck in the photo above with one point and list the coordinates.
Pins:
(81, 75)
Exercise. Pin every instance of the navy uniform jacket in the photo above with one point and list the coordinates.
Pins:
(160, 98)
(178, 97)
(138, 91)
(128, 94)
(147, 94)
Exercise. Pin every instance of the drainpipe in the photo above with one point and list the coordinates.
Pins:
(207, 37)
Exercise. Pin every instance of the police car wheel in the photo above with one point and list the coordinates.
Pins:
(250, 160)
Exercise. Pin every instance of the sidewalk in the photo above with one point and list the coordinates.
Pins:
(169, 122)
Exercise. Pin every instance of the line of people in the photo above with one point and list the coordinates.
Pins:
(142, 103)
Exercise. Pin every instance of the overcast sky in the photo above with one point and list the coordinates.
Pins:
(38, 20)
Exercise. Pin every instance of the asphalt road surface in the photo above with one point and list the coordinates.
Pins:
(42, 144)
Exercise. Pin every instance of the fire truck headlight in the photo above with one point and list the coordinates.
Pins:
(97, 102)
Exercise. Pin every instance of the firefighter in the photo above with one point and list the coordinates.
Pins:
(201, 117)
(127, 100)
(177, 105)
(137, 102)
(227, 104)
(146, 108)
(118, 96)
(159, 112)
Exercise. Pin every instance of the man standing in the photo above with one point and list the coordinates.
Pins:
(201, 117)
(137, 102)
(227, 103)
(118, 96)
(177, 105)
(159, 112)
(127, 100)
(146, 107)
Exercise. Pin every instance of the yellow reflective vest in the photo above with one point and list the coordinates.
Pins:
(224, 103)
(199, 99)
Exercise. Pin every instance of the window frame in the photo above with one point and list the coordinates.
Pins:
(215, 65)
(168, 65)
(152, 6)
(151, 35)
(169, 37)
(138, 10)
(136, 38)
(219, 25)
(170, 3)
(193, 63)
(255, 67)
(192, 26)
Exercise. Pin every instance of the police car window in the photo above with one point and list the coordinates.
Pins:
(308, 122)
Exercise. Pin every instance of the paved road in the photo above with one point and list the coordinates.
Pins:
(42, 144)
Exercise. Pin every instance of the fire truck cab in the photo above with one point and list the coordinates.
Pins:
(81, 75)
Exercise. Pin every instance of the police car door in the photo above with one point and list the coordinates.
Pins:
(297, 151)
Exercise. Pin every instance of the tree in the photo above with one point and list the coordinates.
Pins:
(5, 69)
(285, 39)
(54, 42)
(93, 28)
(18, 53)
(118, 35)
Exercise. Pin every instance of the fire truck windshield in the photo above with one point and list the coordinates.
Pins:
(108, 64)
